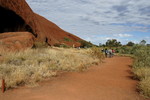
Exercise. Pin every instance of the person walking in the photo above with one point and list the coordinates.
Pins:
(106, 53)
(110, 53)
(113, 51)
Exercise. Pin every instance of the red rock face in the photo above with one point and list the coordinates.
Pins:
(16, 40)
(17, 16)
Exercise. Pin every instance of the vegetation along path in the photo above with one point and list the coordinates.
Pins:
(112, 80)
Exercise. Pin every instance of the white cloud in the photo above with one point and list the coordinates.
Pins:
(96, 17)
(123, 35)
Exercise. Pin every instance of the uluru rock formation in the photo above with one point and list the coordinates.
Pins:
(18, 19)
(16, 40)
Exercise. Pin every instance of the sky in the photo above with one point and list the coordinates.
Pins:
(99, 20)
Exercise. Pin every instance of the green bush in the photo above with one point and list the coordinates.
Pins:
(142, 57)
(127, 49)
(141, 65)
(141, 68)
(67, 39)
(86, 44)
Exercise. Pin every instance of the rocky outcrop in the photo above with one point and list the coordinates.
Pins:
(17, 16)
(16, 40)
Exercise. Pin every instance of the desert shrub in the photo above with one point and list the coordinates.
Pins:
(33, 65)
(96, 52)
(144, 87)
(40, 45)
(67, 39)
(127, 50)
(86, 44)
(141, 73)
(57, 45)
(141, 65)
(141, 68)
(142, 57)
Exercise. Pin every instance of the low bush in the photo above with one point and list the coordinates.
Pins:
(141, 65)
(67, 39)
(144, 87)
(141, 73)
(85, 44)
(97, 53)
(141, 68)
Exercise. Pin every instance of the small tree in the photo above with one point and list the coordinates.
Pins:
(143, 42)
(113, 43)
(130, 43)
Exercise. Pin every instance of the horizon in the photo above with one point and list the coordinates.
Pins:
(99, 20)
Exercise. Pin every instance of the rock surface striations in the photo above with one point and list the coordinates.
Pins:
(18, 20)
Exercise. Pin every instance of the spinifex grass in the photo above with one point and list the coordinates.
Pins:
(30, 66)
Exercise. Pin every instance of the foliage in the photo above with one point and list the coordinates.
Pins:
(145, 87)
(129, 49)
(125, 50)
(141, 65)
(96, 52)
(86, 44)
(113, 43)
(148, 45)
(130, 43)
(61, 45)
(142, 56)
(67, 39)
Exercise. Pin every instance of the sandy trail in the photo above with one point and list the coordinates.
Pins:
(108, 81)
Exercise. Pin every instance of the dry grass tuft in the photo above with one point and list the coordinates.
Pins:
(33, 65)
(145, 87)
(142, 72)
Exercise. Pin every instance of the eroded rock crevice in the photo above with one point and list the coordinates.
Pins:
(11, 22)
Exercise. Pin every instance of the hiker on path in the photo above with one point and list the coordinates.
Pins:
(113, 51)
(106, 53)
(110, 53)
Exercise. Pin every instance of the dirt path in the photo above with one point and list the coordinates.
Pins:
(109, 81)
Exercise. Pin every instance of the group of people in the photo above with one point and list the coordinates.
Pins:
(108, 52)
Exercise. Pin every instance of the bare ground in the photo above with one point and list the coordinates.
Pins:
(112, 80)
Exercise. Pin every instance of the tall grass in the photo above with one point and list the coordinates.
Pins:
(141, 66)
(141, 69)
(33, 65)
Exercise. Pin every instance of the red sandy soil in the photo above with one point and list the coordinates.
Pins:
(111, 80)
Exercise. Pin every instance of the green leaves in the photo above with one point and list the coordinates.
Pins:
(113, 43)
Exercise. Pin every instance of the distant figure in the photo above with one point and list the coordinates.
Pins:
(78, 48)
(110, 53)
(106, 53)
(113, 51)
(73, 46)
(102, 50)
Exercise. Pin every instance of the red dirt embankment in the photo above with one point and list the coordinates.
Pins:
(109, 81)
